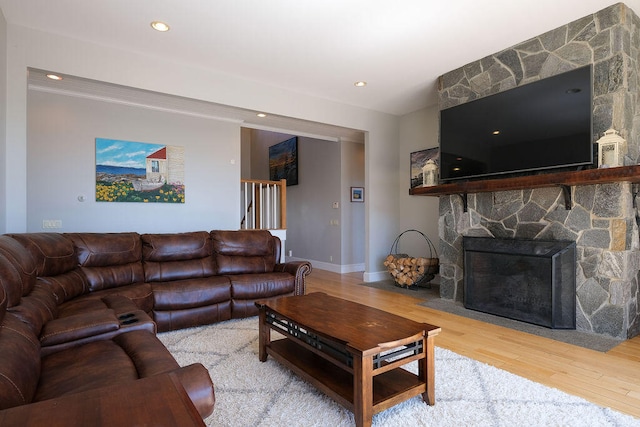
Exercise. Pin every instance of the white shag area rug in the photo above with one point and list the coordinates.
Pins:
(468, 393)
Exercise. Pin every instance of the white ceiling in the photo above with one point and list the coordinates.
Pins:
(123, 95)
(318, 48)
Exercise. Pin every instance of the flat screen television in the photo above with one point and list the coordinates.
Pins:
(542, 125)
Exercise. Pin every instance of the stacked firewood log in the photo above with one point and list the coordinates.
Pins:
(407, 271)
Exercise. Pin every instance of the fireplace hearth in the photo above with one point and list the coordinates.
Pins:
(533, 281)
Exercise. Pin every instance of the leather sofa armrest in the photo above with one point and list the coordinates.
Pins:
(76, 327)
(300, 270)
(197, 383)
(130, 321)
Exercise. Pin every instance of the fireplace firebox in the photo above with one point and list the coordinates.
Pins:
(532, 281)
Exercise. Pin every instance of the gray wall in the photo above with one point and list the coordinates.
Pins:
(326, 171)
(352, 213)
(3, 118)
(418, 131)
(61, 166)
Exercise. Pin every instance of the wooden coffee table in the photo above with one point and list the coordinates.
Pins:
(350, 352)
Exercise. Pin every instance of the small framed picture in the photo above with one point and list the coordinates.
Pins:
(357, 194)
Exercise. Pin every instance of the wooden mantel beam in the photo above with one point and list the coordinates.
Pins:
(573, 178)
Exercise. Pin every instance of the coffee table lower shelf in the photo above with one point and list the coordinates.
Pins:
(389, 388)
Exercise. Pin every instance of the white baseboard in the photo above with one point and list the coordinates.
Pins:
(376, 276)
(341, 269)
(335, 268)
(352, 268)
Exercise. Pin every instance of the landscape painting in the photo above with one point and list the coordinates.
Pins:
(129, 171)
(283, 161)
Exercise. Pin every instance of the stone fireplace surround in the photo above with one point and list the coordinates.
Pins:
(603, 220)
(531, 281)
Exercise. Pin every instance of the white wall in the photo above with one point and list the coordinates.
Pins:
(29, 48)
(382, 210)
(257, 148)
(352, 213)
(309, 204)
(245, 153)
(3, 119)
(61, 166)
(418, 131)
(15, 196)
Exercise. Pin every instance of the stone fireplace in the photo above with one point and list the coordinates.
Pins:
(602, 220)
(533, 281)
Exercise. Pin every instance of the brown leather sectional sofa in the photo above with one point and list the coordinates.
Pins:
(79, 311)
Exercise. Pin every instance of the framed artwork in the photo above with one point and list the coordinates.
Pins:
(357, 194)
(418, 160)
(129, 171)
(283, 161)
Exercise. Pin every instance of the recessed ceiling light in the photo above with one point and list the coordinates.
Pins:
(54, 77)
(496, 132)
(360, 84)
(261, 115)
(160, 26)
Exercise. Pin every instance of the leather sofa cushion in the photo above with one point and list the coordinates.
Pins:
(100, 278)
(168, 257)
(109, 260)
(52, 253)
(181, 294)
(65, 336)
(3, 303)
(19, 362)
(252, 286)
(17, 270)
(10, 282)
(176, 247)
(178, 270)
(106, 249)
(139, 293)
(120, 304)
(242, 242)
(169, 320)
(244, 251)
(67, 285)
(31, 302)
(37, 308)
(86, 367)
(244, 308)
(126, 357)
(52, 257)
(72, 328)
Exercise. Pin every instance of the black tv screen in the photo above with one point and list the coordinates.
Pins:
(541, 125)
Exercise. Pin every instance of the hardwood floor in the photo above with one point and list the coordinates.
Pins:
(609, 379)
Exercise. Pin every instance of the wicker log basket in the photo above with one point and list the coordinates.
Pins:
(408, 271)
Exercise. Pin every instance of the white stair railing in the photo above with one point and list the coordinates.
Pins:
(263, 204)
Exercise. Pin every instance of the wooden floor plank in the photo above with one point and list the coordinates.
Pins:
(609, 379)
